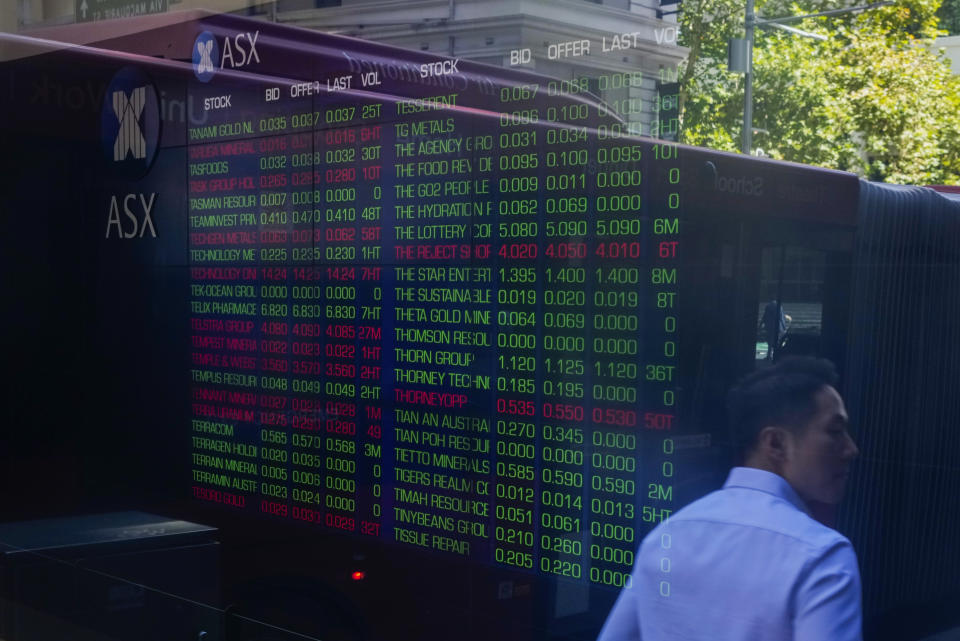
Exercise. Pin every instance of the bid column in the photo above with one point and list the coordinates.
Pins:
(275, 234)
(516, 230)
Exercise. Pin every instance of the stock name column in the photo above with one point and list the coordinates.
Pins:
(235, 194)
(443, 293)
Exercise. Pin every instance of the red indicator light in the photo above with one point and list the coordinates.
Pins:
(358, 576)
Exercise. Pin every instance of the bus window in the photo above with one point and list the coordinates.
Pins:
(790, 309)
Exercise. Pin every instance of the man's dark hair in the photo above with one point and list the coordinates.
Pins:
(782, 395)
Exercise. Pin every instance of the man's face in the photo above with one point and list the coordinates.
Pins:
(818, 456)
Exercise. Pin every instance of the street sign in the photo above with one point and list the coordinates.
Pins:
(738, 55)
(93, 10)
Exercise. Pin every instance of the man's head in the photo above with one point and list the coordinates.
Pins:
(789, 419)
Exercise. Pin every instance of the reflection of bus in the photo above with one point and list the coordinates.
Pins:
(293, 286)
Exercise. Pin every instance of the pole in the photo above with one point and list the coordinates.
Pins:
(748, 83)
(749, 23)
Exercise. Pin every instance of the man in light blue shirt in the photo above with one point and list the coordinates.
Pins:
(748, 562)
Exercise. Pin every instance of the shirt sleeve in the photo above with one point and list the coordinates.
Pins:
(622, 623)
(828, 597)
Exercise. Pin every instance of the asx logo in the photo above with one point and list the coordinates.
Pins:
(130, 123)
(238, 51)
(130, 136)
(133, 205)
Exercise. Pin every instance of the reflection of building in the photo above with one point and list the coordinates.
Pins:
(605, 43)
(22, 15)
(951, 51)
(618, 49)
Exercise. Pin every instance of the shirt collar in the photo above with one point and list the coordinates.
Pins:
(763, 481)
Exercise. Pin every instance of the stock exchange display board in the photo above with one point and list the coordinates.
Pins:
(413, 312)
(448, 329)
(424, 305)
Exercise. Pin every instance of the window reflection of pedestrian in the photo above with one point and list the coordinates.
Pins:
(775, 322)
(748, 561)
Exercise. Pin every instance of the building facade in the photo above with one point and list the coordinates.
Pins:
(623, 51)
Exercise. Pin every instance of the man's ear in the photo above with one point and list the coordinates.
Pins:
(772, 443)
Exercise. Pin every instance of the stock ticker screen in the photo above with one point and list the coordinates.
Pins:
(428, 304)
(453, 331)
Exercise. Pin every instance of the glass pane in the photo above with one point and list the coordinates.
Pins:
(790, 312)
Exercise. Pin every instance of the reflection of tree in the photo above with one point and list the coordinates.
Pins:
(870, 99)
(949, 14)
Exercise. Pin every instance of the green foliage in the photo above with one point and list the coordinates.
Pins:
(871, 99)
(949, 14)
